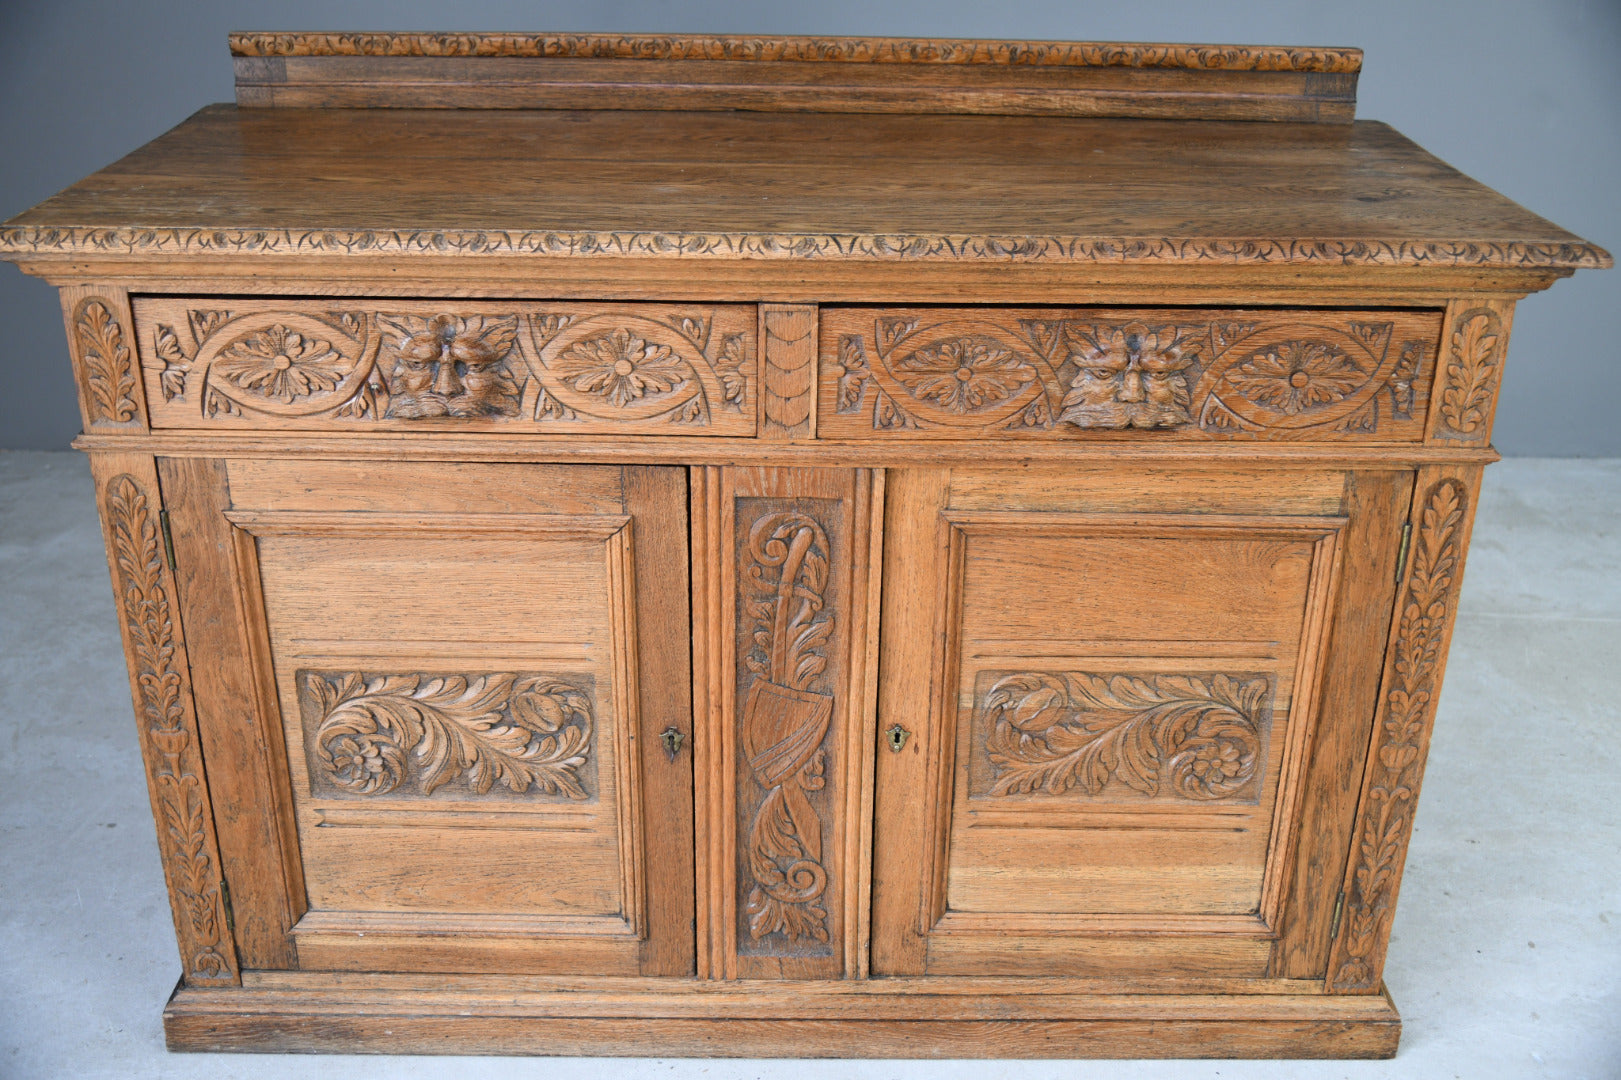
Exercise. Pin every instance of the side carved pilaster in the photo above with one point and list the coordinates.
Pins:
(1470, 371)
(168, 732)
(101, 342)
(1401, 736)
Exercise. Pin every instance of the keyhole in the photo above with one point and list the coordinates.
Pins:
(672, 739)
(897, 737)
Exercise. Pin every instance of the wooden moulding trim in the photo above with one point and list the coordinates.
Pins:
(446, 446)
(1343, 61)
(19, 241)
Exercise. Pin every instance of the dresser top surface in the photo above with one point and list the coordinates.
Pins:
(747, 185)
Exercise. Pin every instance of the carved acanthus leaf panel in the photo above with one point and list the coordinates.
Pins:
(1401, 738)
(1471, 371)
(785, 718)
(1200, 736)
(367, 734)
(1033, 372)
(107, 361)
(545, 367)
(169, 735)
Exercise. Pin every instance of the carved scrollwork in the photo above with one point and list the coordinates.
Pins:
(1385, 821)
(173, 761)
(1277, 378)
(1195, 736)
(617, 366)
(785, 721)
(369, 733)
(109, 365)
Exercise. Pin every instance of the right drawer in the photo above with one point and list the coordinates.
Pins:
(1144, 373)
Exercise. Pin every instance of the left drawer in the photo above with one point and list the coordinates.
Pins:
(466, 365)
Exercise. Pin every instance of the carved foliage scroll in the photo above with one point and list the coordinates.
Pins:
(367, 735)
(1471, 372)
(552, 367)
(168, 736)
(1199, 737)
(1240, 374)
(786, 713)
(1385, 820)
(107, 362)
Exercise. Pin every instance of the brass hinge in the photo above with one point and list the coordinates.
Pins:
(1334, 923)
(1401, 553)
(225, 899)
(168, 540)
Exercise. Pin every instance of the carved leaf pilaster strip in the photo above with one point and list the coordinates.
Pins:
(1385, 821)
(169, 738)
(785, 722)
(1474, 366)
(1197, 736)
(109, 365)
(788, 374)
(530, 733)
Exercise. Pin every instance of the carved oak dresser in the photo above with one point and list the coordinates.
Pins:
(727, 546)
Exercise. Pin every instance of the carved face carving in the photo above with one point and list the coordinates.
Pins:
(452, 367)
(1129, 377)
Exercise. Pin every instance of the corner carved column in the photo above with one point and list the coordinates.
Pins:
(785, 635)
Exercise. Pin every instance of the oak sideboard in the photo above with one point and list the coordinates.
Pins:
(741, 546)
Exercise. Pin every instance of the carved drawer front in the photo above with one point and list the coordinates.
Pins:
(460, 699)
(1125, 686)
(957, 373)
(452, 364)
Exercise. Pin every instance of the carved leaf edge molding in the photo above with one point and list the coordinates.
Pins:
(524, 731)
(1051, 732)
(785, 723)
(1385, 820)
(810, 49)
(173, 759)
(26, 240)
(108, 361)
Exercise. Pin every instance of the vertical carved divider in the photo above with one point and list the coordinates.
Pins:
(787, 371)
(1469, 370)
(1426, 608)
(101, 338)
(154, 647)
(785, 572)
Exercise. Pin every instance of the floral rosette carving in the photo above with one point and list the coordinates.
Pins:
(370, 733)
(280, 363)
(1199, 737)
(621, 366)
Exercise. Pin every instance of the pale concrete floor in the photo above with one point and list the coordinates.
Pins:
(1506, 956)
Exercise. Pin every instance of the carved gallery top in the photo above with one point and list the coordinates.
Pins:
(643, 148)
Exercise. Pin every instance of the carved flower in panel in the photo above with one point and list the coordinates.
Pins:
(366, 763)
(282, 364)
(621, 367)
(1215, 763)
(1296, 376)
(964, 374)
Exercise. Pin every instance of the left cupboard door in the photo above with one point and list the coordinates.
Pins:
(445, 710)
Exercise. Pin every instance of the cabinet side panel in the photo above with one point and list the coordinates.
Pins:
(238, 720)
(1376, 504)
(155, 649)
(1443, 511)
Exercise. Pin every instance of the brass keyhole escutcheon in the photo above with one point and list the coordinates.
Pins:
(672, 738)
(896, 736)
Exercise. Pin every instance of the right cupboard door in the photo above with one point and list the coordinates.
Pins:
(1103, 694)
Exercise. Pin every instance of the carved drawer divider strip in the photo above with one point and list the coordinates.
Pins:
(1421, 630)
(785, 692)
(155, 648)
(1470, 371)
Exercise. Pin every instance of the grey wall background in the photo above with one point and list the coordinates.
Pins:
(1523, 96)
